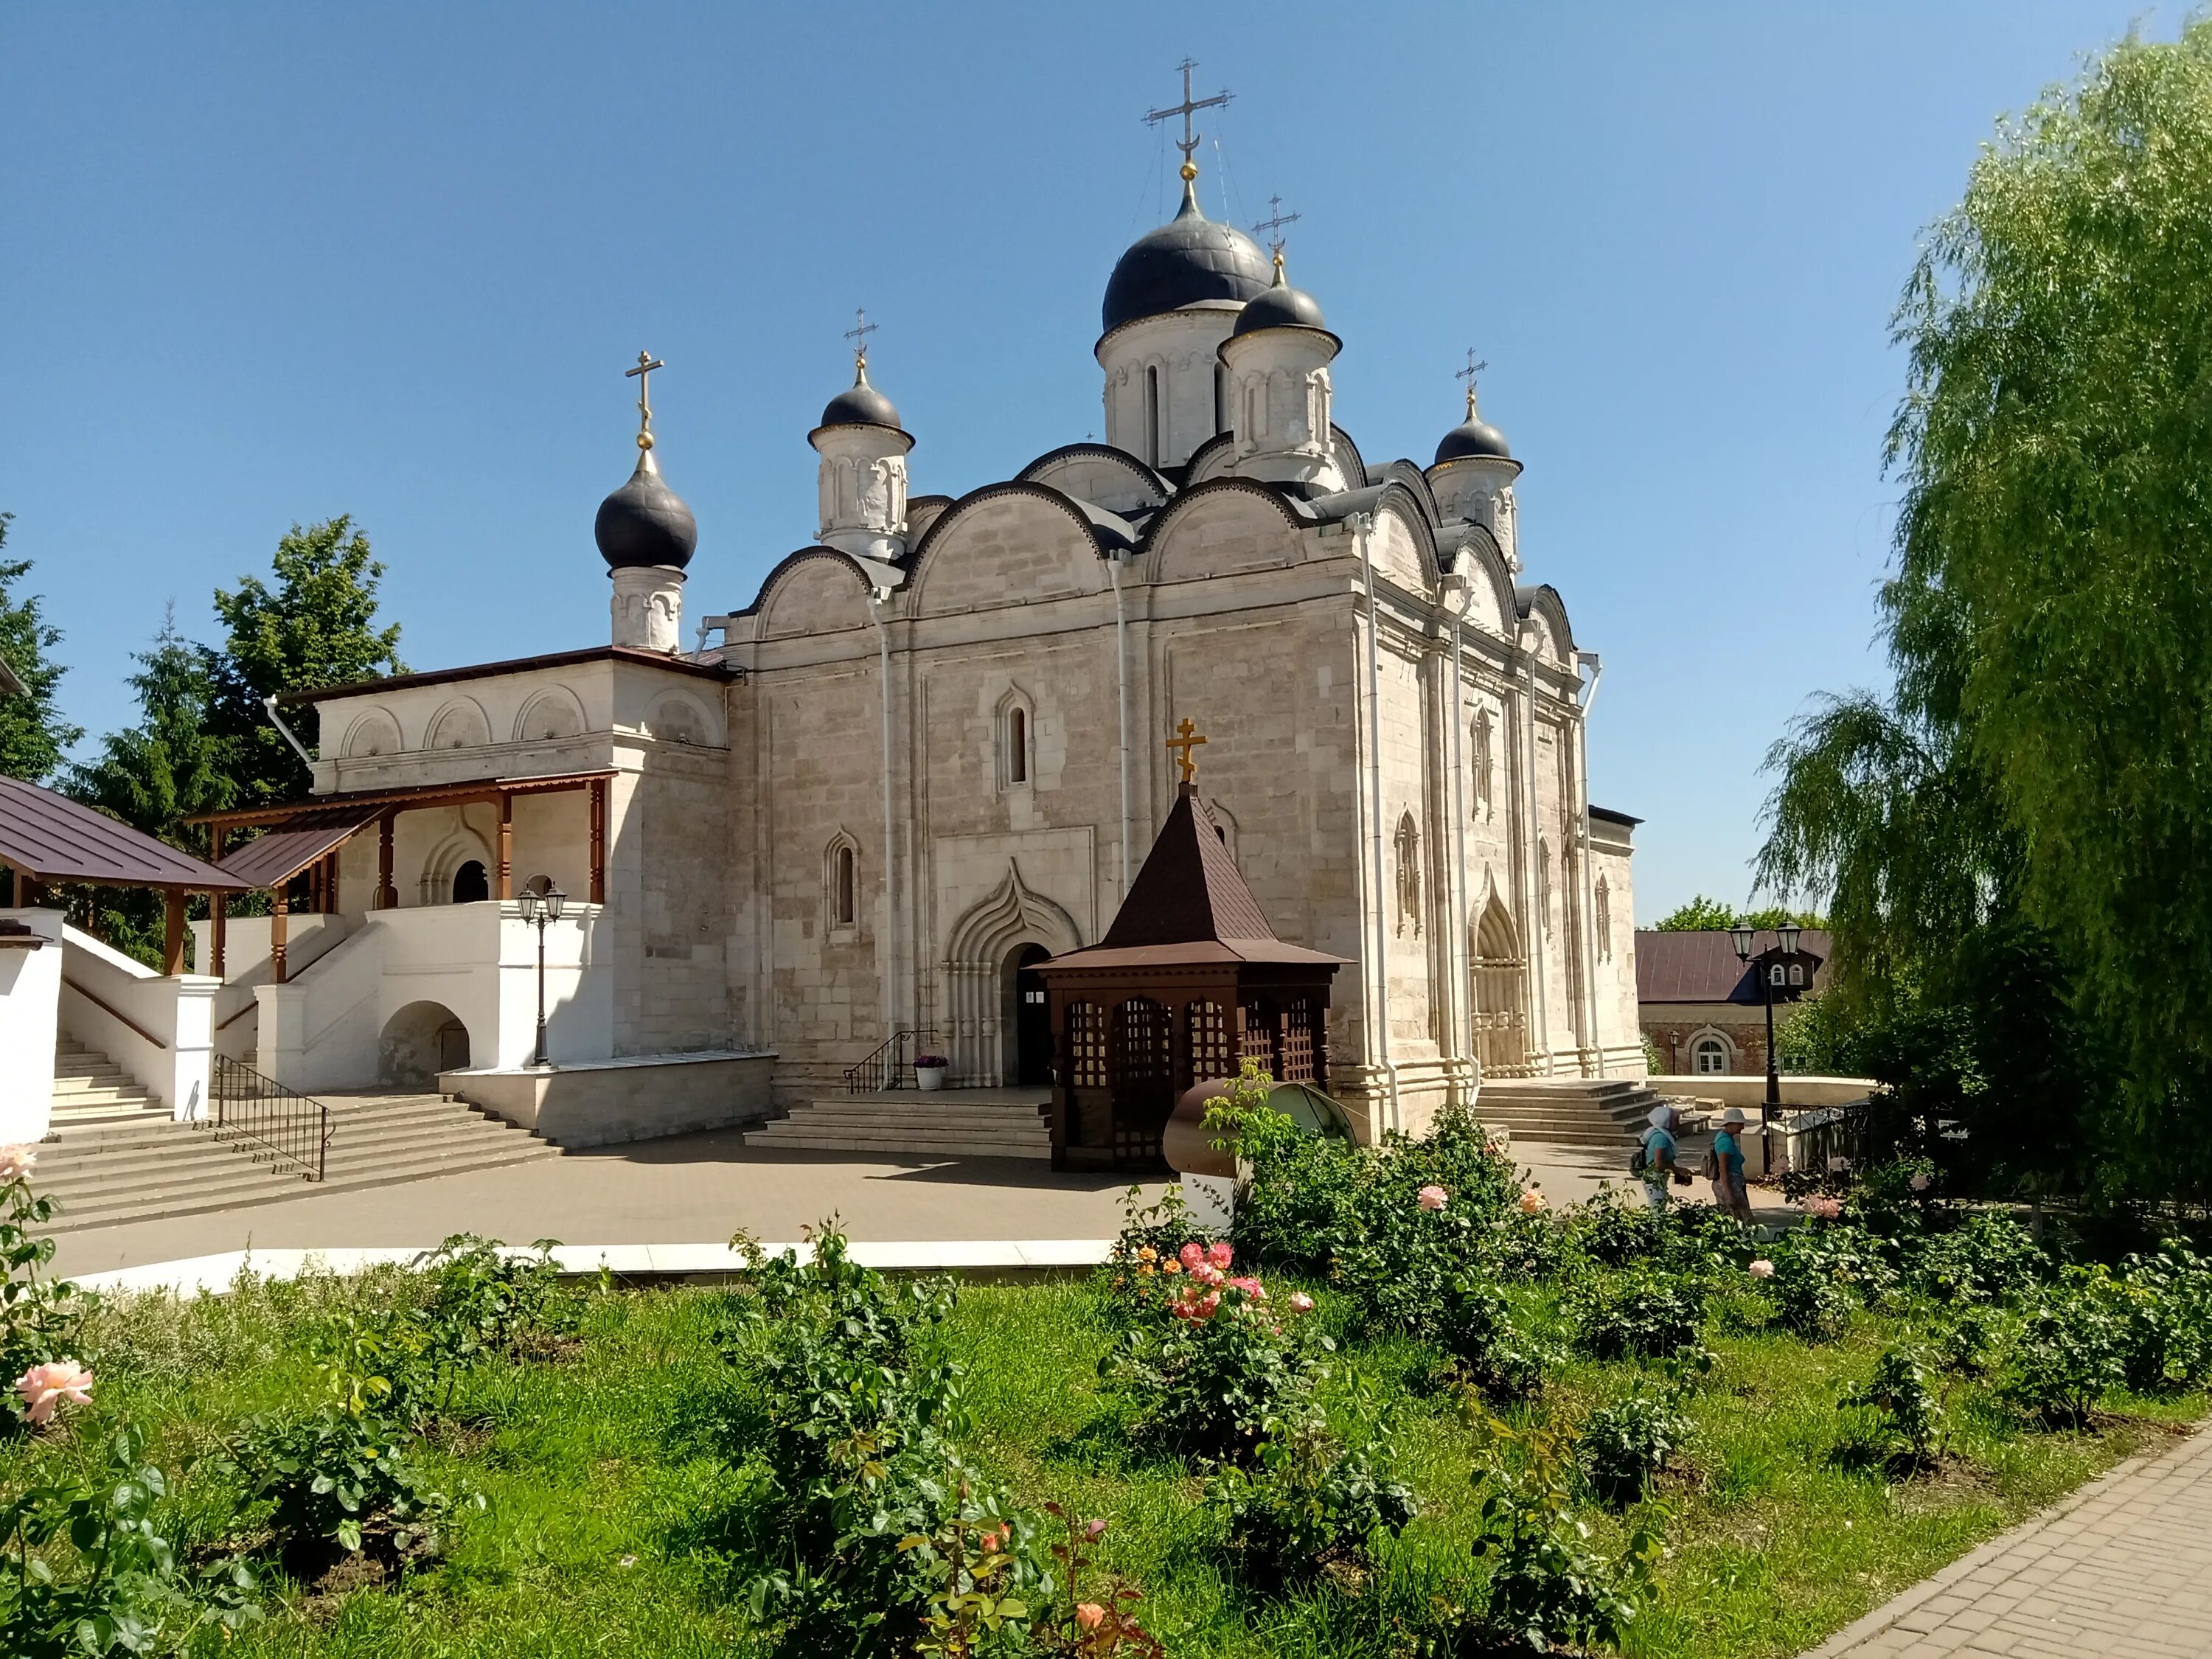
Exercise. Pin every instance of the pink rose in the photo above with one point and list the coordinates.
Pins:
(1192, 1255)
(1093, 1528)
(16, 1164)
(1206, 1273)
(1220, 1253)
(1822, 1207)
(1301, 1303)
(1762, 1269)
(1251, 1287)
(1432, 1198)
(1090, 1614)
(1533, 1202)
(43, 1388)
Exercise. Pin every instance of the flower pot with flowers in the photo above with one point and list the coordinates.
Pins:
(929, 1071)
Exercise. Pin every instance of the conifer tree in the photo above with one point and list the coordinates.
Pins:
(34, 735)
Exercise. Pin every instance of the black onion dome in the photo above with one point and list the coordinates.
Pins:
(1474, 437)
(860, 404)
(1188, 259)
(645, 523)
(1281, 307)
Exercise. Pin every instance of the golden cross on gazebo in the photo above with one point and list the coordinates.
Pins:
(647, 363)
(1467, 374)
(1186, 739)
(857, 334)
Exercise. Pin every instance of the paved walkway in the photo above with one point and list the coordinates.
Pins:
(689, 1188)
(2123, 1567)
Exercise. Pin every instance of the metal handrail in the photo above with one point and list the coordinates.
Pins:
(114, 1013)
(886, 1067)
(272, 1124)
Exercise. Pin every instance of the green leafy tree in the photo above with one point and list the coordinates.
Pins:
(2034, 790)
(1701, 915)
(315, 627)
(169, 766)
(33, 734)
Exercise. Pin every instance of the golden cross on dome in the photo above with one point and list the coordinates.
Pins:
(1186, 739)
(1188, 143)
(857, 334)
(1273, 225)
(1467, 374)
(647, 363)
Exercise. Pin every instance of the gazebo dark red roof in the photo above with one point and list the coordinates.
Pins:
(1189, 981)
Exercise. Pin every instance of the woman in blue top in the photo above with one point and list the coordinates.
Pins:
(1729, 1193)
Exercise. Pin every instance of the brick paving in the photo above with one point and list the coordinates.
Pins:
(2123, 1567)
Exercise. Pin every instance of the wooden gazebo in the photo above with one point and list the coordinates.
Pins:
(1189, 981)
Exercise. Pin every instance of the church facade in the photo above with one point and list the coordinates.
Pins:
(932, 750)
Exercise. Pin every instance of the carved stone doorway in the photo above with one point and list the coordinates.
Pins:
(1501, 994)
(1029, 1021)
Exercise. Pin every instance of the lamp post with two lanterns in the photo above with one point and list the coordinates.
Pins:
(537, 910)
(1743, 934)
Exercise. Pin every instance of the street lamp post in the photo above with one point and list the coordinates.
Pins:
(1742, 934)
(537, 910)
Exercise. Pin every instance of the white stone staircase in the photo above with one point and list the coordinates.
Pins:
(90, 1088)
(934, 1123)
(1567, 1111)
(106, 1174)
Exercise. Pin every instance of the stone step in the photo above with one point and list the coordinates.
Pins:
(908, 1145)
(86, 1072)
(945, 1135)
(106, 1111)
(157, 1166)
(890, 1117)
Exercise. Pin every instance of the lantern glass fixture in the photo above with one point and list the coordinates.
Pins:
(1741, 934)
(527, 899)
(555, 899)
(1789, 931)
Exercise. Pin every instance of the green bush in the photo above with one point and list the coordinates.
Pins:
(1902, 1391)
(86, 1571)
(485, 1298)
(1504, 1360)
(2071, 1352)
(1640, 1314)
(1989, 1257)
(1308, 1502)
(1623, 1445)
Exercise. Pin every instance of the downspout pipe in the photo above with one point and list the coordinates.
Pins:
(1588, 660)
(889, 972)
(1463, 978)
(1362, 528)
(269, 707)
(1539, 958)
(1114, 561)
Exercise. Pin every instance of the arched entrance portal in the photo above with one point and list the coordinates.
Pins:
(471, 883)
(419, 1041)
(1501, 1007)
(1028, 1019)
(988, 950)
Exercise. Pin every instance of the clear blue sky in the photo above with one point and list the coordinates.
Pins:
(269, 263)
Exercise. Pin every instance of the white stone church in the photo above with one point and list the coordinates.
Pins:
(931, 751)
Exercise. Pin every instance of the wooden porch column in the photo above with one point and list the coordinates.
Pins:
(172, 933)
(505, 890)
(599, 813)
(218, 908)
(279, 916)
(387, 896)
(331, 883)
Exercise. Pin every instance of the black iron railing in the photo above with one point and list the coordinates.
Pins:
(1827, 1133)
(274, 1125)
(890, 1066)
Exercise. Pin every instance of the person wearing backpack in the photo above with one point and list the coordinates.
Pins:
(1725, 1167)
(1653, 1161)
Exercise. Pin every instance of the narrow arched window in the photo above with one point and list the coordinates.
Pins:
(1017, 746)
(1484, 763)
(1220, 397)
(1154, 426)
(1604, 920)
(844, 899)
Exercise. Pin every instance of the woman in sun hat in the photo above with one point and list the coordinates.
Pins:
(1654, 1163)
(1729, 1193)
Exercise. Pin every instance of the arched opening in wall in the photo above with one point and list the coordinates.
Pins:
(1220, 399)
(1154, 427)
(844, 887)
(1017, 746)
(1709, 1055)
(1501, 973)
(1026, 1018)
(419, 1041)
(471, 883)
(1604, 906)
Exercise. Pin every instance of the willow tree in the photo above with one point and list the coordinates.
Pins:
(2040, 776)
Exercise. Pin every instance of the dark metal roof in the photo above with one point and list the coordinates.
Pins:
(1281, 307)
(1189, 905)
(53, 838)
(1186, 261)
(357, 801)
(717, 671)
(278, 856)
(645, 523)
(1611, 816)
(1702, 967)
(860, 404)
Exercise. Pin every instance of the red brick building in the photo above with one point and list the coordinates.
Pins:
(1700, 1007)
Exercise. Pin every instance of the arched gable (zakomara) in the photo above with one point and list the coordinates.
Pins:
(1223, 526)
(1543, 614)
(1403, 542)
(460, 724)
(1097, 473)
(375, 733)
(816, 590)
(1011, 544)
(551, 712)
(1491, 606)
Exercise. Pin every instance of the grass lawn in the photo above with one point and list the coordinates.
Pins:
(604, 1468)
